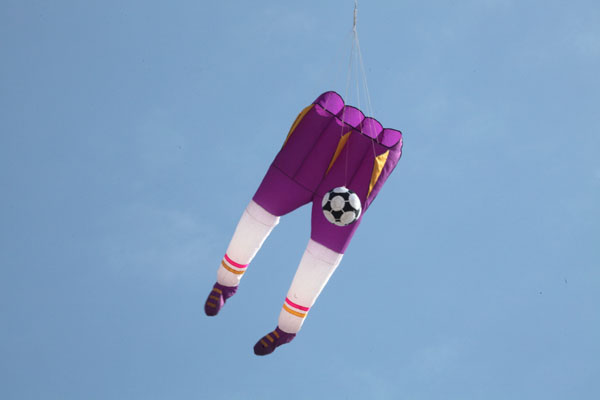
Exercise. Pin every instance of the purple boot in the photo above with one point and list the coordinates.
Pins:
(272, 340)
(217, 298)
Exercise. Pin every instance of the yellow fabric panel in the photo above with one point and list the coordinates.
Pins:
(297, 121)
(377, 168)
(339, 149)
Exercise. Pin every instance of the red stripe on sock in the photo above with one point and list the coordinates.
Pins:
(230, 261)
(299, 307)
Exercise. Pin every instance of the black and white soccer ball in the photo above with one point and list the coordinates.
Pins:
(341, 206)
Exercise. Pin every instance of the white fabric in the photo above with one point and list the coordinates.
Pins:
(254, 227)
(316, 267)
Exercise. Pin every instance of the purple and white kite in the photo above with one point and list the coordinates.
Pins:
(334, 158)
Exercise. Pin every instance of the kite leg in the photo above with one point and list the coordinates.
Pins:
(316, 267)
(254, 227)
(278, 194)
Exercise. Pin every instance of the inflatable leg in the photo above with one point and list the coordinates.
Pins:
(254, 227)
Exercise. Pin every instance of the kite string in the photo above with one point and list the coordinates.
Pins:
(361, 78)
(348, 79)
(347, 89)
(369, 105)
(363, 73)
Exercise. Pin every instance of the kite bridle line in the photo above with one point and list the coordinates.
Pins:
(356, 56)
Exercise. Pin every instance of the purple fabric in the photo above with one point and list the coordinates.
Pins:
(301, 170)
(330, 101)
(351, 116)
(212, 305)
(389, 137)
(280, 194)
(268, 343)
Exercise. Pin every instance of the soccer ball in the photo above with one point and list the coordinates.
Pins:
(341, 206)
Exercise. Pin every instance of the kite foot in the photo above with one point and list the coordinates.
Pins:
(217, 298)
(271, 341)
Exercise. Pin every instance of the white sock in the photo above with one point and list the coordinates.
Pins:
(316, 267)
(254, 227)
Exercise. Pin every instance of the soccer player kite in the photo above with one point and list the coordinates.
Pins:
(335, 158)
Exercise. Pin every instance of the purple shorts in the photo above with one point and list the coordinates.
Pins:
(329, 145)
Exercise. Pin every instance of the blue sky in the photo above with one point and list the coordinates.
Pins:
(133, 134)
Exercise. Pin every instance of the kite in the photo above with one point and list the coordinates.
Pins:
(334, 158)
